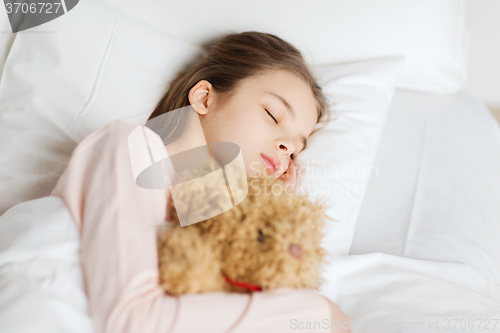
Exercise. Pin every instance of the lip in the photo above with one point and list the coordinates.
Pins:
(271, 161)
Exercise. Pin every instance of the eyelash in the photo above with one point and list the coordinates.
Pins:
(269, 113)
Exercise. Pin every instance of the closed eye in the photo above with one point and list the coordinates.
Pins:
(269, 113)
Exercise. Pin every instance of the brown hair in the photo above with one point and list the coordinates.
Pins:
(229, 60)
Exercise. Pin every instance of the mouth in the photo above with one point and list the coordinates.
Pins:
(271, 161)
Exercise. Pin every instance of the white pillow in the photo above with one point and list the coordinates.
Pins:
(338, 162)
(438, 191)
(97, 65)
(429, 33)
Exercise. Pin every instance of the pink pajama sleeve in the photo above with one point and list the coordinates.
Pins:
(118, 223)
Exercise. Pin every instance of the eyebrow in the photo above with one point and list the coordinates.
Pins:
(285, 103)
(290, 110)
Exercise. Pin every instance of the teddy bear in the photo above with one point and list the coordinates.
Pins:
(271, 239)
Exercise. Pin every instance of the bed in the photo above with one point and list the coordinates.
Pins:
(425, 250)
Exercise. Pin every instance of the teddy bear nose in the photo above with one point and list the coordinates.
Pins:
(295, 250)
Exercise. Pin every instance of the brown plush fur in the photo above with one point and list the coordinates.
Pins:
(248, 243)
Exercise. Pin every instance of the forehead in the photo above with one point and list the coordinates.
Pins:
(290, 87)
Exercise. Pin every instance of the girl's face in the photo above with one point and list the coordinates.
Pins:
(270, 117)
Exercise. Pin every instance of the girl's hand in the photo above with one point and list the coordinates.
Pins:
(290, 177)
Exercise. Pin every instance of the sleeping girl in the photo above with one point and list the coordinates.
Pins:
(252, 89)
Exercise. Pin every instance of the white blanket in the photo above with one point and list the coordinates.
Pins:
(385, 293)
(41, 284)
(42, 290)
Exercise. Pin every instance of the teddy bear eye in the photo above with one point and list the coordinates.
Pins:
(261, 237)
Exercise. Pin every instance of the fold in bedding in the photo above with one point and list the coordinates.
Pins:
(41, 283)
(392, 294)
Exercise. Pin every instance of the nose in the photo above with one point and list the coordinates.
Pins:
(295, 250)
(286, 146)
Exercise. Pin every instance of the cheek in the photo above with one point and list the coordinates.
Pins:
(246, 128)
(249, 130)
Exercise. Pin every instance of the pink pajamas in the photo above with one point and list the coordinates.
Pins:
(117, 219)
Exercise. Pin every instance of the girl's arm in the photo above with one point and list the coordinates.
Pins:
(117, 221)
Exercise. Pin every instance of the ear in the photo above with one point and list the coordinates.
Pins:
(200, 96)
